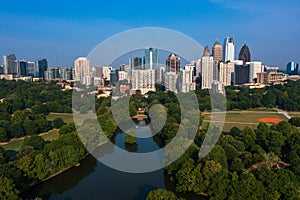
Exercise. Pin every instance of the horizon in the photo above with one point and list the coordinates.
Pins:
(65, 32)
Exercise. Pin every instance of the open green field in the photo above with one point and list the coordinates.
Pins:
(241, 119)
(294, 114)
(51, 135)
(68, 118)
(15, 145)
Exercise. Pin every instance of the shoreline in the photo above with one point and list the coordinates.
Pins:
(61, 171)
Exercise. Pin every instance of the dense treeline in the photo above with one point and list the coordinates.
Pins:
(37, 160)
(41, 98)
(245, 164)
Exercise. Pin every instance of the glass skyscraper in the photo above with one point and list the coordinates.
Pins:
(151, 59)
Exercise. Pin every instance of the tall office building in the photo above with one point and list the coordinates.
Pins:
(160, 75)
(83, 70)
(9, 63)
(151, 59)
(206, 51)
(114, 77)
(136, 63)
(41, 66)
(206, 71)
(171, 81)
(245, 54)
(20, 68)
(186, 79)
(217, 52)
(254, 69)
(122, 75)
(226, 73)
(228, 49)
(143, 80)
(292, 68)
(66, 74)
(173, 63)
(31, 69)
(241, 74)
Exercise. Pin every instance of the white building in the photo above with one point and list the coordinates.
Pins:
(206, 71)
(106, 72)
(171, 80)
(255, 67)
(123, 75)
(143, 80)
(228, 49)
(226, 73)
(83, 70)
(186, 78)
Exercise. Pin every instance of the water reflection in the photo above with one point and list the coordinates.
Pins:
(93, 180)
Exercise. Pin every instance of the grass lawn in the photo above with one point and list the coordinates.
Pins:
(51, 135)
(241, 119)
(13, 145)
(68, 118)
(294, 114)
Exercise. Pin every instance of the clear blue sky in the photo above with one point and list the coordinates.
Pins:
(66, 30)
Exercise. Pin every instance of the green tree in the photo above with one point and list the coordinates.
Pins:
(162, 194)
(58, 122)
(236, 164)
(8, 190)
(295, 121)
(3, 135)
(131, 136)
(37, 142)
(68, 128)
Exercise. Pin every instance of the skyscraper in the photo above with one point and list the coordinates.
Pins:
(226, 73)
(143, 80)
(186, 79)
(20, 68)
(217, 52)
(31, 69)
(173, 63)
(151, 59)
(206, 71)
(41, 66)
(254, 69)
(114, 77)
(9, 63)
(206, 51)
(292, 68)
(245, 54)
(83, 70)
(228, 49)
(136, 63)
(171, 81)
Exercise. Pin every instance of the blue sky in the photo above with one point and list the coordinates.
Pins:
(62, 31)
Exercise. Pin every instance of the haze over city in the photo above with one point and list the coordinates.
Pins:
(62, 31)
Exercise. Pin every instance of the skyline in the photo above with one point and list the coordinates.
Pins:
(66, 31)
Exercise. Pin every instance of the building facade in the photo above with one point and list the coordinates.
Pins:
(228, 49)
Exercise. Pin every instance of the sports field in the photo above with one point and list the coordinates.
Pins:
(241, 119)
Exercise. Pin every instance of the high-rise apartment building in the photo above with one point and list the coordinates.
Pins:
(171, 81)
(245, 54)
(226, 73)
(228, 49)
(9, 63)
(143, 80)
(83, 70)
(186, 79)
(206, 71)
(173, 63)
